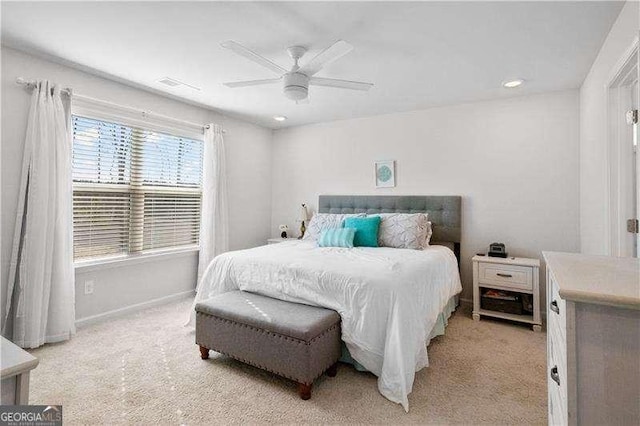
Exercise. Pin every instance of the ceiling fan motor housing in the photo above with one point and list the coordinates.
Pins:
(296, 86)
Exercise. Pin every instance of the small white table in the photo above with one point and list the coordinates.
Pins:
(516, 274)
(15, 365)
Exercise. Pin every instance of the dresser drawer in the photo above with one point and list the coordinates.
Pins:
(555, 349)
(556, 309)
(557, 412)
(557, 379)
(556, 354)
(510, 276)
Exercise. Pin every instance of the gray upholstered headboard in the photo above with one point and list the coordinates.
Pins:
(444, 211)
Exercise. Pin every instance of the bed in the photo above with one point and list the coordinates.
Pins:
(391, 301)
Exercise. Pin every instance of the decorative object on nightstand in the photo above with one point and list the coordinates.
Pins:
(497, 250)
(303, 218)
(283, 231)
(507, 288)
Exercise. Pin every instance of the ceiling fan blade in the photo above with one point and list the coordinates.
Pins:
(253, 56)
(342, 84)
(328, 55)
(235, 84)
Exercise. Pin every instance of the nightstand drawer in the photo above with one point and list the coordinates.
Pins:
(511, 276)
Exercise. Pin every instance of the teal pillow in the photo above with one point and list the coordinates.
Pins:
(337, 237)
(366, 230)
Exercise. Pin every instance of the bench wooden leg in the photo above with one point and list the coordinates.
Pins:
(304, 391)
(204, 352)
(333, 370)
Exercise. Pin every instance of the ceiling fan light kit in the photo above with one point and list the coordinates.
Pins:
(296, 82)
(296, 86)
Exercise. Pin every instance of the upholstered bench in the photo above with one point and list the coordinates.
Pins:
(296, 341)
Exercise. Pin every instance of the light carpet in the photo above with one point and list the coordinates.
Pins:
(145, 369)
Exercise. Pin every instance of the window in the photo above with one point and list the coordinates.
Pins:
(134, 189)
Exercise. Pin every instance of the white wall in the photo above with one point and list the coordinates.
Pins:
(248, 168)
(514, 161)
(593, 127)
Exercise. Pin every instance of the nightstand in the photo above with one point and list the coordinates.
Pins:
(278, 240)
(516, 278)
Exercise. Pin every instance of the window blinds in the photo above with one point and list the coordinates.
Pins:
(133, 189)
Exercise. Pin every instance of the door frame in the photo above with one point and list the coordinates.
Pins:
(625, 72)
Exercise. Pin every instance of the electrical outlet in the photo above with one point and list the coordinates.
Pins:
(88, 287)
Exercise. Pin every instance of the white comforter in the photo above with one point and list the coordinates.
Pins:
(389, 299)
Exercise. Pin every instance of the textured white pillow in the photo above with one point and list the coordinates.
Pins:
(403, 230)
(322, 221)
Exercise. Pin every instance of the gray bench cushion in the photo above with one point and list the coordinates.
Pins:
(295, 320)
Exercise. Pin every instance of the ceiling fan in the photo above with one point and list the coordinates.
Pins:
(299, 78)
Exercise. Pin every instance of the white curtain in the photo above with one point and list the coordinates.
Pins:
(41, 286)
(214, 221)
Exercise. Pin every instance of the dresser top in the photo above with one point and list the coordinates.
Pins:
(604, 280)
(14, 360)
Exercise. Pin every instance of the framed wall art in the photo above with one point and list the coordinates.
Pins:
(385, 174)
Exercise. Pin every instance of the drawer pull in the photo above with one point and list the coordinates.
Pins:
(554, 375)
(504, 275)
(554, 307)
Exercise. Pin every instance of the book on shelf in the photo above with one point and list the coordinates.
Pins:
(497, 294)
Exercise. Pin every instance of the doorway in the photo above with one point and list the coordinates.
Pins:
(624, 159)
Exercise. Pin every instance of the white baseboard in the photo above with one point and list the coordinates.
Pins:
(93, 319)
(466, 302)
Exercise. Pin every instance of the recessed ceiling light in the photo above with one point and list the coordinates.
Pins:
(510, 84)
(279, 118)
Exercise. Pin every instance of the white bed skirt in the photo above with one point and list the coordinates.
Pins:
(437, 330)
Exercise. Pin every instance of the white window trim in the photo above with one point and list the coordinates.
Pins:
(107, 111)
(98, 264)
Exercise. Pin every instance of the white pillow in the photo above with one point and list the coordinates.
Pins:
(403, 230)
(322, 221)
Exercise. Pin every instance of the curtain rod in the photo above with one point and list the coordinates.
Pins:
(32, 84)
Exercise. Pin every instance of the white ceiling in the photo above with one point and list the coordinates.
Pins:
(418, 55)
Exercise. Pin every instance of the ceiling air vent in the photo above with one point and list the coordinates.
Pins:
(169, 82)
(172, 82)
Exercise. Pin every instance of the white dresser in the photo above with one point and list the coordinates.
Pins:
(593, 339)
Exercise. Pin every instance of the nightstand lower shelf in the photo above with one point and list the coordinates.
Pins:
(513, 317)
(528, 319)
